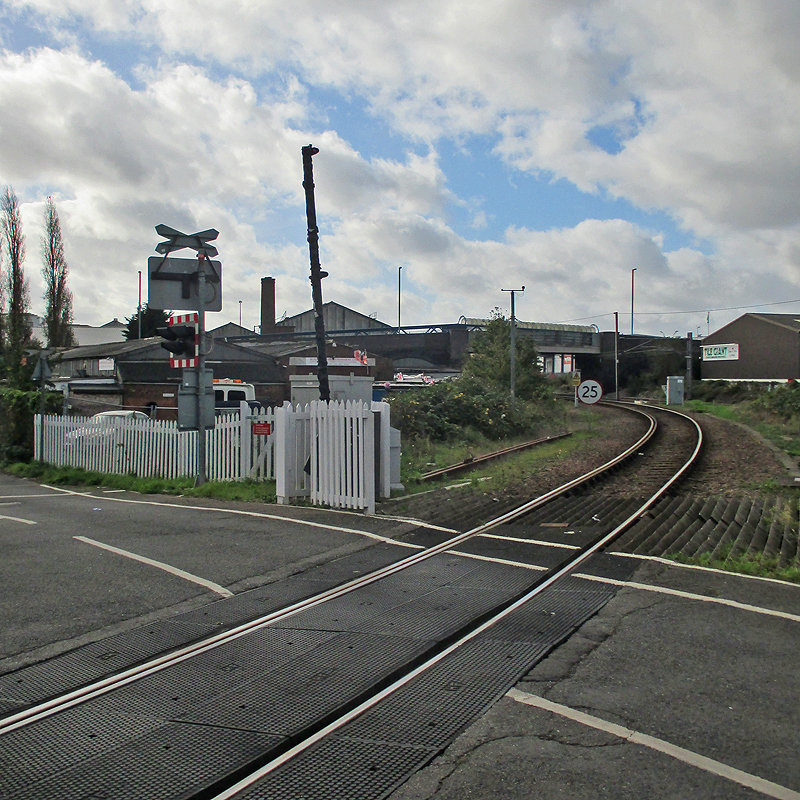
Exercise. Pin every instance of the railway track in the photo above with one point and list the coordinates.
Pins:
(346, 691)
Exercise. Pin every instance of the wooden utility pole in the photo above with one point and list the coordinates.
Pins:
(316, 273)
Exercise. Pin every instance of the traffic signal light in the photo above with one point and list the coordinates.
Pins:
(181, 339)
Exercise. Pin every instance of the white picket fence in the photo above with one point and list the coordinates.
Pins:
(323, 451)
(143, 447)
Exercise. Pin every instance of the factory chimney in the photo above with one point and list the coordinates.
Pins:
(267, 304)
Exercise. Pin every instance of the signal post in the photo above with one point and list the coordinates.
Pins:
(196, 286)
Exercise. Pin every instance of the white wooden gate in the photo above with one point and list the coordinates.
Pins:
(257, 449)
(326, 452)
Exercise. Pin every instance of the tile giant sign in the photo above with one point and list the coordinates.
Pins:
(720, 352)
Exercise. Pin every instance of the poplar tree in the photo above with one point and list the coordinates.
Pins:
(18, 329)
(58, 298)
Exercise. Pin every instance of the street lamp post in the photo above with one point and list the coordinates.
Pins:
(632, 271)
(513, 338)
(399, 280)
(140, 304)
(616, 355)
(240, 313)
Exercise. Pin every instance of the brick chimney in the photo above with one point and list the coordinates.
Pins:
(267, 304)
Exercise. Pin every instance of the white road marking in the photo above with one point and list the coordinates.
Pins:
(9, 504)
(239, 512)
(658, 559)
(670, 563)
(418, 522)
(643, 586)
(530, 541)
(215, 587)
(760, 785)
(26, 496)
(499, 560)
(19, 519)
(691, 596)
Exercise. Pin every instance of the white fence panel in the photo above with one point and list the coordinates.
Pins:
(326, 451)
(143, 447)
(257, 450)
(292, 452)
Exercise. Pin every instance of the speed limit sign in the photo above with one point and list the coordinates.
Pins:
(590, 392)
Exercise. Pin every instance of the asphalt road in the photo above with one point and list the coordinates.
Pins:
(714, 684)
(60, 591)
(704, 664)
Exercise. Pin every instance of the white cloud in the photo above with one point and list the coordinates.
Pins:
(702, 98)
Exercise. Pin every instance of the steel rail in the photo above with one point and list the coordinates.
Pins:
(473, 462)
(543, 584)
(118, 680)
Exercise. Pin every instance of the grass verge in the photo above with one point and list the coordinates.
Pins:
(758, 565)
(496, 475)
(784, 434)
(246, 491)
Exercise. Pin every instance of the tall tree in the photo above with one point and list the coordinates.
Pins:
(58, 298)
(2, 316)
(490, 359)
(18, 328)
(152, 318)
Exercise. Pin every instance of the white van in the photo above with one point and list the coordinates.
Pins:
(228, 393)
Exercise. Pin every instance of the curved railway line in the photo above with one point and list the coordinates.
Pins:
(345, 692)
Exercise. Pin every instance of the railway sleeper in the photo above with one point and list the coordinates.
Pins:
(688, 534)
(789, 553)
(681, 530)
(702, 535)
(772, 547)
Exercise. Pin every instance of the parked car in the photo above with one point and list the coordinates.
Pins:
(102, 425)
(122, 414)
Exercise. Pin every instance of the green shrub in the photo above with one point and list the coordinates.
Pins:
(783, 401)
(453, 410)
(17, 410)
(728, 392)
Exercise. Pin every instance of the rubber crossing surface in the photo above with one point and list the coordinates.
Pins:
(181, 730)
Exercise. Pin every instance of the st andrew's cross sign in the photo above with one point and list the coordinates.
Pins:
(174, 283)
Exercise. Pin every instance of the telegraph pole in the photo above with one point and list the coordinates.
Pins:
(316, 273)
(513, 338)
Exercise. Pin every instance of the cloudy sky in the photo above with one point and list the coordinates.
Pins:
(480, 146)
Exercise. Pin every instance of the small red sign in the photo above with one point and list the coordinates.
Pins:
(262, 428)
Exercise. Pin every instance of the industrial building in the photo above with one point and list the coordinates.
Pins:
(754, 347)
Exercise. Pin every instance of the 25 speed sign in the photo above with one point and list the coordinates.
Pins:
(590, 392)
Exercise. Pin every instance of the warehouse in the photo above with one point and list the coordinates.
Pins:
(754, 347)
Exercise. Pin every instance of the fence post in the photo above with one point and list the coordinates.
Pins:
(245, 440)
(281, 454)
(368, 422)
(383, 449)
